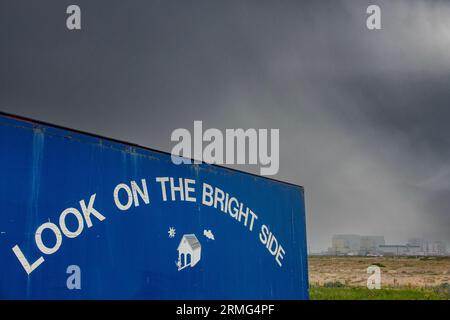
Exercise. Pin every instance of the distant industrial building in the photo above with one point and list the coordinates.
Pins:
(371, 244)
(352, 244)
(428, 248)
(399, 250)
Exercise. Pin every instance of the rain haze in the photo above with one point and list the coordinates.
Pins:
(363, 115)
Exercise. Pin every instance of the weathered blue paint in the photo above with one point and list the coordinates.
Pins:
(46, 169)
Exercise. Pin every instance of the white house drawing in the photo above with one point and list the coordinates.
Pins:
(189, 251)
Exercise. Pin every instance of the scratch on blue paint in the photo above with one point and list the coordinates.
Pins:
(36, 167)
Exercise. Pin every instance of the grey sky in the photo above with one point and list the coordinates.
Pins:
(363, 115)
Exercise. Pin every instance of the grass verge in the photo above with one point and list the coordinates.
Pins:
(358, 293)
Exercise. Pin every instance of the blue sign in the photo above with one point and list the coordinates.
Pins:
(84, 217)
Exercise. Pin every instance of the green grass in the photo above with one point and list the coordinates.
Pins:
(350, 293)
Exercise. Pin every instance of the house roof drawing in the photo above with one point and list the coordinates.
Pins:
(191, 240)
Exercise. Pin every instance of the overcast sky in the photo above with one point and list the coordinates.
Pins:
(363, 115)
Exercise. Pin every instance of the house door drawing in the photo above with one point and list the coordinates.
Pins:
(189, 251)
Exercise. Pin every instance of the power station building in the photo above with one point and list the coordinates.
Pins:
(399, 250)
(352, 244)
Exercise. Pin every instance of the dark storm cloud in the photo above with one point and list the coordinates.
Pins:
(362, 114)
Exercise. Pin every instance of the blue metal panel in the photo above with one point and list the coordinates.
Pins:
(129, 255)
